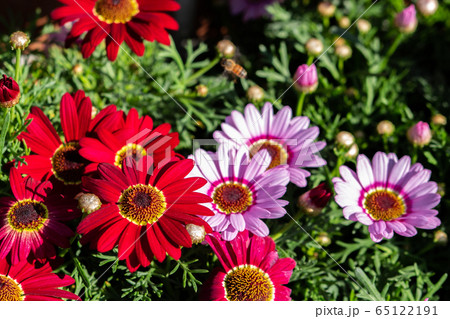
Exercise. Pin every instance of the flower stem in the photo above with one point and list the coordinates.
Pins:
(287, 226)
(390, 51)
(202, 71)
(5, 128)
(18, 54)
(301, 99)
(310, 60)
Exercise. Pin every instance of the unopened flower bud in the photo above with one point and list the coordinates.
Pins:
(255, 94)
(9, 92)
(306, 79)
(406, 21)
(427, 7)
(77, 69)
(344, 22)
(352, 152)
(338, 41)
(19, 40)
(343, 51)
(314, 201)
(323, 239)
(226, 48)
(202, 90)
(441, 189)
(345, 139)
(439, 119)
(419, 134)
(326, 9)
(196, 232)
(94, 112)
(385, 128)
(363, 26)
(314, 47)
(440, 238)
(88, 203)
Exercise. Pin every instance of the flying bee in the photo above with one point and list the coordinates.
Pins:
(233, 68)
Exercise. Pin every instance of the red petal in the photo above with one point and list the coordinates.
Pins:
(69, 118)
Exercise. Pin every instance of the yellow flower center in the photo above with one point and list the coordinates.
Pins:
(142, 204)
(135, 151)
(383, 204)
(67, 163)
(27, 215)
(248, 283)
(276, 151)
(10, 290)
(116, 11)
(232, 198)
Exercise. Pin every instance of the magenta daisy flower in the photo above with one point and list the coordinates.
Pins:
(29, 282)
(251, 270)
(242, 190)
(388, 195)
(144, 214)
(32, 223)
(53, 157)
(136, 138)
(288, 140)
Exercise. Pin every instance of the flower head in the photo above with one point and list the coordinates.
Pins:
(419, 134)
(288, 140)
(116, 21)
(241, 189)
(226, 49)
(33, 222)
(385, 127)
(406, 21)
(9, 92)
(314, 201)
(388, 195)
(19, 40)
(29, 281)
(326, 9)
(52, 156)
(136, 137)
(314, 47)
(251, 9)
(427, 7)
(306, 79)
(252, 270)
(144, 214)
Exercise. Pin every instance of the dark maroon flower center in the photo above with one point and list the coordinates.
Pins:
(142, 204)
(248, 283)
(232, 198)
(10, 290)
(68, 164)
(116, 11)
(27, 215)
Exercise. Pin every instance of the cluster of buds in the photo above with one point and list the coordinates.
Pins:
(315, 200)
(406, 21)
(419, 134)
(346, 140)
(306, 79)
(9, 92)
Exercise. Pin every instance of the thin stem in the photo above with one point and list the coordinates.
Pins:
(202, 71)
(390, 51)
(310, 60)
(301, 100)
(341, 70)
(18, 54)
(287, 226)
(326, 22)
(5, 128)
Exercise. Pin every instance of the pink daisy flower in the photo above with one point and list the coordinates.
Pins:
(33, 222)
(288, 140)
(388, 195)
(242, 191)
(251, 270)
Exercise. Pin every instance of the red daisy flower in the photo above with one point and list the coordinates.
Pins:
(63, 159)
(33, 222)
(252, 270)
(136, 138)
(116, 21)
(145, 215)
(26, 281)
